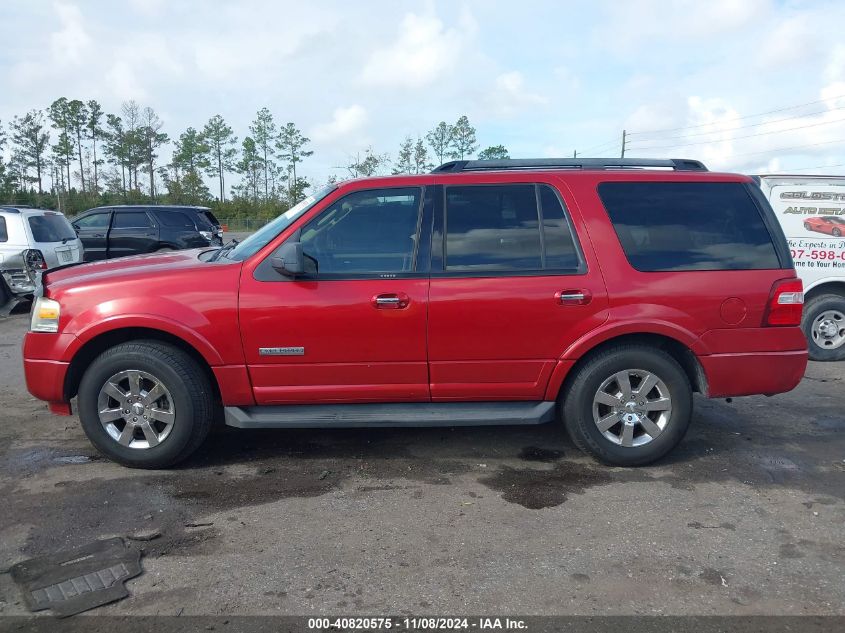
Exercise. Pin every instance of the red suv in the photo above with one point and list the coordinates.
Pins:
(486, 292)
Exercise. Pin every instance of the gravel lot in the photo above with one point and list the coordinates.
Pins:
(747, 516)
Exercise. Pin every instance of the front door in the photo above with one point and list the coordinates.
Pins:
(93, 230)
(353, 328)
(511, 289)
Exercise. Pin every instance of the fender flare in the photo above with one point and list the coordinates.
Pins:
(150, 322)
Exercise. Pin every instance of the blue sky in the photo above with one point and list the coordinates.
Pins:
(542, 78)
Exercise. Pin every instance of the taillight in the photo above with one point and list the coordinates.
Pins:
(34, 259)
(785, 303)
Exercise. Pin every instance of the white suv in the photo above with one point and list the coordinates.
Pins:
(31, 241)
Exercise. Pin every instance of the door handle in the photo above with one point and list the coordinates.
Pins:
(573, 297)
(391, 301)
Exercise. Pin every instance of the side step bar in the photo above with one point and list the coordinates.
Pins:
(412, 414)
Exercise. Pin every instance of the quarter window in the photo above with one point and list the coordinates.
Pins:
(371, 231)
(670, 226)
(503, 228)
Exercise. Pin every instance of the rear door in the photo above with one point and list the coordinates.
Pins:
(93, 230)
(511, 289)
(132, 233)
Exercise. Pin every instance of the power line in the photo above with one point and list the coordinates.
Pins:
(742, 127)
(740, 118)
(736, 138)
(783, 149)
(601, 147)
(815, 167)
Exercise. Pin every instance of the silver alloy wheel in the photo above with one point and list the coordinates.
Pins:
(829, 329)
(632, 407)
(136, 409)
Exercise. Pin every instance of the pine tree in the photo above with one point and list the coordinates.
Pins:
(440, 140)
(221, 141)
(263, 131)
(31, 138)
(463, 141)
(291, 145)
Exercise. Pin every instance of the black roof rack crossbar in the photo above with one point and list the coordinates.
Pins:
(678, 164)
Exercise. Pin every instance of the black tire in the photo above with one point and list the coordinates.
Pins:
(813, 309)
(808, 226)
(179, 373)
(836, 233)
(577, 405)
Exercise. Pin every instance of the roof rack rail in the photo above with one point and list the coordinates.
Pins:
(678, 164)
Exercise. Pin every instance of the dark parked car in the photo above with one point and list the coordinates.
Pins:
(118, 231)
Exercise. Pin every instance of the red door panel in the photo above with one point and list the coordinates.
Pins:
(499, 338)
(354, 348)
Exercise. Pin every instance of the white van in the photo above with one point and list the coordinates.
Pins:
(811, 210)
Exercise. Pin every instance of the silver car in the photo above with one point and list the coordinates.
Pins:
(32, 241)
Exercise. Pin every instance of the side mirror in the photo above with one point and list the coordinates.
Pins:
(289, 259)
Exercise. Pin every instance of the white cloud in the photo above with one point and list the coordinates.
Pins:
(511, 96)
(424, 50)
(345, 122)
(147, 8)
(794, 40)
(71, 42)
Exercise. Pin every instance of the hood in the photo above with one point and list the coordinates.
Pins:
(124, 269)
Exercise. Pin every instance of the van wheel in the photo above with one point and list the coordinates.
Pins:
(823, 323)
(628, 405)
(145, 404)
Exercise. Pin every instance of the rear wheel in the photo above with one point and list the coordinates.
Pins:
(836, 233)
(628, 405)
(145, 404)
(823, 323)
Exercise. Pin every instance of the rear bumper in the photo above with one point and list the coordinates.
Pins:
(753, 373)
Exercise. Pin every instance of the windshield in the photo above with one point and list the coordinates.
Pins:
(51, 227)
(262, 236)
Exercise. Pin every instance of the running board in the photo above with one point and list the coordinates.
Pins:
(390, 414)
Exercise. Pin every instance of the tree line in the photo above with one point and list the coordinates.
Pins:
(73, 156)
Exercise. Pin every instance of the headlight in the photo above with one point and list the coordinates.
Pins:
(45, 315)
(206, 234)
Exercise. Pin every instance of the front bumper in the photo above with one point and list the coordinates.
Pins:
(45, 379)
(753, 373)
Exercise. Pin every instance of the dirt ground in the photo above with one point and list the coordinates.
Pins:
(747, 516)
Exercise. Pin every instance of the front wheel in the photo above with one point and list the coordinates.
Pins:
(628, 405)
(823, 323)
(145, 404)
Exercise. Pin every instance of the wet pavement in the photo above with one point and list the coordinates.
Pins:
(747, 516)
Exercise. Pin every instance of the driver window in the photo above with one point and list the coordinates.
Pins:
(372, 231)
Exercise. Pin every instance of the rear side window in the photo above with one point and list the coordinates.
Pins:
(671, 226)
(208, 215)
(50, 227)
(176, 219)
(4, 233)
(515, 227)
(131, 220)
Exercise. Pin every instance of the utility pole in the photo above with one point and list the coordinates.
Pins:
(624, 141)
(575, 153)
